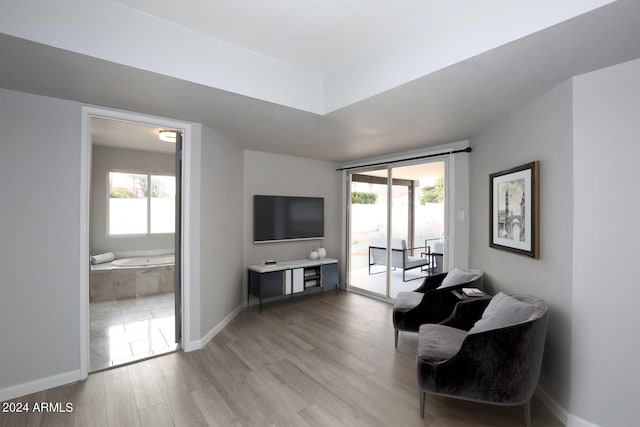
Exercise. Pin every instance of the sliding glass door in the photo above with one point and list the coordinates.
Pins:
(418, 219)
(401, 208)
(368, 231)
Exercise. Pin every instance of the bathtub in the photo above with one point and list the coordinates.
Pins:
(144, 261)
(135, 275)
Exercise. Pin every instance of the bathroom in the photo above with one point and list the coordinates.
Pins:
(132, 284)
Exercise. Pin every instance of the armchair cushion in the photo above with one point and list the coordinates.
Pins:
(503, 311)
(437, 343)
(407, 300)
(458, 276)
(414, 262)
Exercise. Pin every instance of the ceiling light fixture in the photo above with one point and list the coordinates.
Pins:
(167, 135)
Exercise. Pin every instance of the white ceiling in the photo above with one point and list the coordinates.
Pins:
(134, 136)
(313, 35)
(449, 104)
(278, 29)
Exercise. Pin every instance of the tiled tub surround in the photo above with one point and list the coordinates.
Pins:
(111, 281)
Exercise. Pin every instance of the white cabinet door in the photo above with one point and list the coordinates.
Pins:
(287, 282)
(295, 276)
(298, 279)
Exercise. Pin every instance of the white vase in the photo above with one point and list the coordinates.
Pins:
(313, 255)
(322, 253)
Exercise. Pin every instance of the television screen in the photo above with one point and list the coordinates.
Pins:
(277, 218)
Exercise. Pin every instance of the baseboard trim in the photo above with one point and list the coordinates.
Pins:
(39, 385)
(562, 414)
(575, 421)
(555, 408)
(198, 344)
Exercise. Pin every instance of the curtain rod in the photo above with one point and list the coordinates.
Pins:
(426, 156)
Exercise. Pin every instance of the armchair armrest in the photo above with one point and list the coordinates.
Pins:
(434, 307)
(466, 313)
(431, 282)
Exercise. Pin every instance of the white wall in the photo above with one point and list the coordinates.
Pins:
(106, 159)
(459, 194)
(40, 239)
(192, 184)
(606, 318)
(221, 237)
(542, 130)
(39, 235)
(275, 174)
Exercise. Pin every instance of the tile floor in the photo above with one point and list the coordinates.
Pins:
(129, 329)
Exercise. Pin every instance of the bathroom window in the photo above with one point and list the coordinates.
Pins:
(141, 204)
(163, 204)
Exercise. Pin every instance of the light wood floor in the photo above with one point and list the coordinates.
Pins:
(318, 361)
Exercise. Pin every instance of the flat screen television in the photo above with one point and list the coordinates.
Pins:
(283, 218)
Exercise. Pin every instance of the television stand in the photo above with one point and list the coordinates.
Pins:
(291, 277)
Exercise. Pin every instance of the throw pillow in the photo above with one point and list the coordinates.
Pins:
(458, 276)
(502, 311)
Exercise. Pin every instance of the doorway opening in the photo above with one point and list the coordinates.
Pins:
(402, 208)
(134, 236)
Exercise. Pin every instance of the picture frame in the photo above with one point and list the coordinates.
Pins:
(514, 210)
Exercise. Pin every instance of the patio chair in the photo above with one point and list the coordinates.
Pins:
(400, 257)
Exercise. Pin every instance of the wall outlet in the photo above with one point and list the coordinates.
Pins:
(460, 216)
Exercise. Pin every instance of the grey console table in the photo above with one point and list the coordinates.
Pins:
(291, 277)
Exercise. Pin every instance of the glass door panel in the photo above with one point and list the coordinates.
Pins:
(418, 221)
(368, 232)
(411, 199)
(430, 216)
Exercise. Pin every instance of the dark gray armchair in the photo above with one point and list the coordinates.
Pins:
(428, 303)
(488, 363)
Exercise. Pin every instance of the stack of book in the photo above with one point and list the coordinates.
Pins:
(472, 292)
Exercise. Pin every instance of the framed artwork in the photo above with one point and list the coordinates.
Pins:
(514, 203)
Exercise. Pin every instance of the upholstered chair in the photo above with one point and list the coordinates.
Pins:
(433, 301)
(400, 257)
(490, 355)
